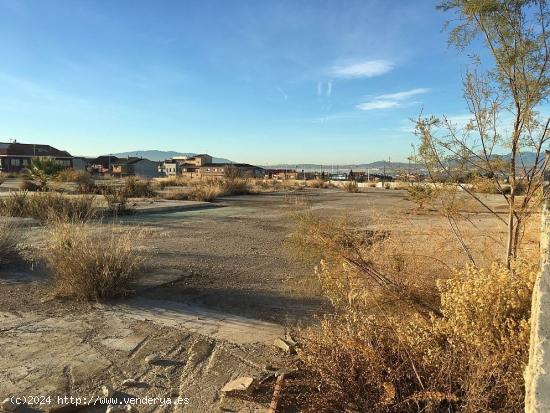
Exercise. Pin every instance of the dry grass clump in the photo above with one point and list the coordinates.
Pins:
(92, 264)
(350, 186)
(8, 241)
(210, 189)
(205, 192)
(471, 358)
(117, 202)
(137, 188)
(420, 194)
(318, 183)
(361, 266)
(484, 185)
(263, 185)
(72, 175)
(401, 186)
(400, 342)
(48, 206)
(173, 181)
(235, 186)
(176, 195)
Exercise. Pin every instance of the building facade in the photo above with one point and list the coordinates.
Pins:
(220, 170)
(15, 156)
(140, 167)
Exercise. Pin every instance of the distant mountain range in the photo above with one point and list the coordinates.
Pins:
(162, 155)
(378, 166)
(374, 166)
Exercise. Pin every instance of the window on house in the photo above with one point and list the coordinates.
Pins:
(15, 162)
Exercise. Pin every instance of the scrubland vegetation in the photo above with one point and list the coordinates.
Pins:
(48, 206)
(409, 330)
(91, 263)
(351, 186)
(8, 241)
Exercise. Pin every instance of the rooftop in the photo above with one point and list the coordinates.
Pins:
(31, 149)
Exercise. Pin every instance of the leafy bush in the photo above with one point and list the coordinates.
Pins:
(350, 186)
(91, 264)
(8, 241)
(48, 207)
(44, 168)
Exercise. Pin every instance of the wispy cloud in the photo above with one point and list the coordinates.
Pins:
(368, 68)
(329, 88)
(282, 92)
(378, 104)
(324, 89)
(391, 100)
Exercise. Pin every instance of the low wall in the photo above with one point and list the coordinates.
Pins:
(537, 374)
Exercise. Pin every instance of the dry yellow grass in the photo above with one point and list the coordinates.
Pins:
(173, 181)
(92, 263)
(8, 241)
(48, 206)
(350, 186)
(410, 332)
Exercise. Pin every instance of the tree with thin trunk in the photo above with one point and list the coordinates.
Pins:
(505, 135)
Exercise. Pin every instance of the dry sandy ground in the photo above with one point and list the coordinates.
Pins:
(218, 289)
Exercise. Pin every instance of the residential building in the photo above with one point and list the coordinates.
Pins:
(133, 166)
(185, 165)
(15, 156)
(219, 170)
(102, 164)
(169, 168)
(281, 174)
(81, 163)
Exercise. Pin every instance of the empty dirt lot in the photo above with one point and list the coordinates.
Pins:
(218, 289)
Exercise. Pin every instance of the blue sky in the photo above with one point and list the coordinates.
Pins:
(254, 81)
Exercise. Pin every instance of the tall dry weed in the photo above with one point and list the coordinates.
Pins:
(92, 263)
(469, 359)
(49, 206)
(410, 332)
(8, 241)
